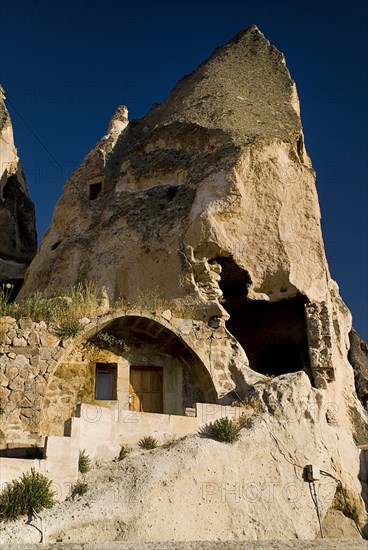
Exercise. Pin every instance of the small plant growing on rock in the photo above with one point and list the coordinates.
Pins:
(37, 308)
(112, 340)
(78, 489)
(124, 451)
(244, 421)
(28, 495)
(6, 307)
(222, 429)
(84, 462)
(69, 329)
(151, 300)
(148, 442)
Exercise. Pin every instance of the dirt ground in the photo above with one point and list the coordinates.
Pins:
(331, 544)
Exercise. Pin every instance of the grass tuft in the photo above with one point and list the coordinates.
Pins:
(84, 462)
(79, 489)
(148, 442)
(223, 429)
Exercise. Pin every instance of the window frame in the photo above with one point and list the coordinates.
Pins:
(111, 368)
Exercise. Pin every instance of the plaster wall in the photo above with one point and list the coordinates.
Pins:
(60, 464)
(103, 430)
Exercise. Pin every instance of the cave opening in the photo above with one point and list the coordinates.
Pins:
(272, 334)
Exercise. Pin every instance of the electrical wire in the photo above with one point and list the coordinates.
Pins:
(36, 136)
(314, 496)
(339, 483)
(77, 190)
(279, 444)
(314, 493)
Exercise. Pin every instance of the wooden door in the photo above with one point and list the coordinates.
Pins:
(145, 389)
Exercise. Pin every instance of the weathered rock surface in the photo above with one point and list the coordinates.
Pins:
(18, 243)
(219, 169)
(358, 357)
(322, 544)
(201, 490)
(211, 200)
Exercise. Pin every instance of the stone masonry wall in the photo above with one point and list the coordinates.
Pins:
(43, 378)
(28, 354)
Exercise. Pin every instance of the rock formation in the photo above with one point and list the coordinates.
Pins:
(216, 176)
(209, 203)
(18, 243)
(211, 199)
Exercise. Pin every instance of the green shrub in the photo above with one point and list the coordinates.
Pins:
(84, 462)
(79, 489)
(148, 442)
(69, 329)
(31, 493)
(37, 307)
(223, 429)
(112, 340)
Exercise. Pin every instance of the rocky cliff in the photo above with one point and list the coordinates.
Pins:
(210, 201)
(217, 173)
(18, 243)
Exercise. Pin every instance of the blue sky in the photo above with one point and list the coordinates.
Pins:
(66, 66)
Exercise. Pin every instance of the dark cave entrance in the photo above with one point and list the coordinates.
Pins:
(272, 334)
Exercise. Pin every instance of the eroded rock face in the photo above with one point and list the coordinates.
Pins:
(218, 170)
(249, 490)
(18, 243)
(358, 357)
(211, 200)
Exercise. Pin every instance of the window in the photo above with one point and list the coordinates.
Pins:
(94, 190)
(106, 374)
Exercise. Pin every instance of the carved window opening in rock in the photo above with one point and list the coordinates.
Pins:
(55, 245)
(234, 280)
(272, 334)
(94, 190)
(106, 379)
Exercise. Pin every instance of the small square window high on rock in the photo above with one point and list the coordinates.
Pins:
(94, 189)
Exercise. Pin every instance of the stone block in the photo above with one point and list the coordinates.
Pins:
(33, 339)
(17, 384)
(49, 340)
(4, 393)
(20, 342)
(11, 372)
(7, 320)
(21, 360)
(25, 323)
